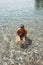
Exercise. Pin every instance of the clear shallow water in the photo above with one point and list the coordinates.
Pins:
(12, 14)
(20, 9)
(29, 12)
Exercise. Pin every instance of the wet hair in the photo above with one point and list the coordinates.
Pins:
(21, 26)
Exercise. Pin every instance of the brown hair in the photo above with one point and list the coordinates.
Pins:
(21, 26)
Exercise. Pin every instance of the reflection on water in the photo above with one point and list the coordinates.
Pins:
(39, 3)
(20, 10)
(12, 14)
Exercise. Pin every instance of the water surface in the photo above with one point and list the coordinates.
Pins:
(12, 14)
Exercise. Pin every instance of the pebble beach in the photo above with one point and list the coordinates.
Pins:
(10, 20)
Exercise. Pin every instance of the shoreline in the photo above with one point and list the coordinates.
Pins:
(13, 54)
